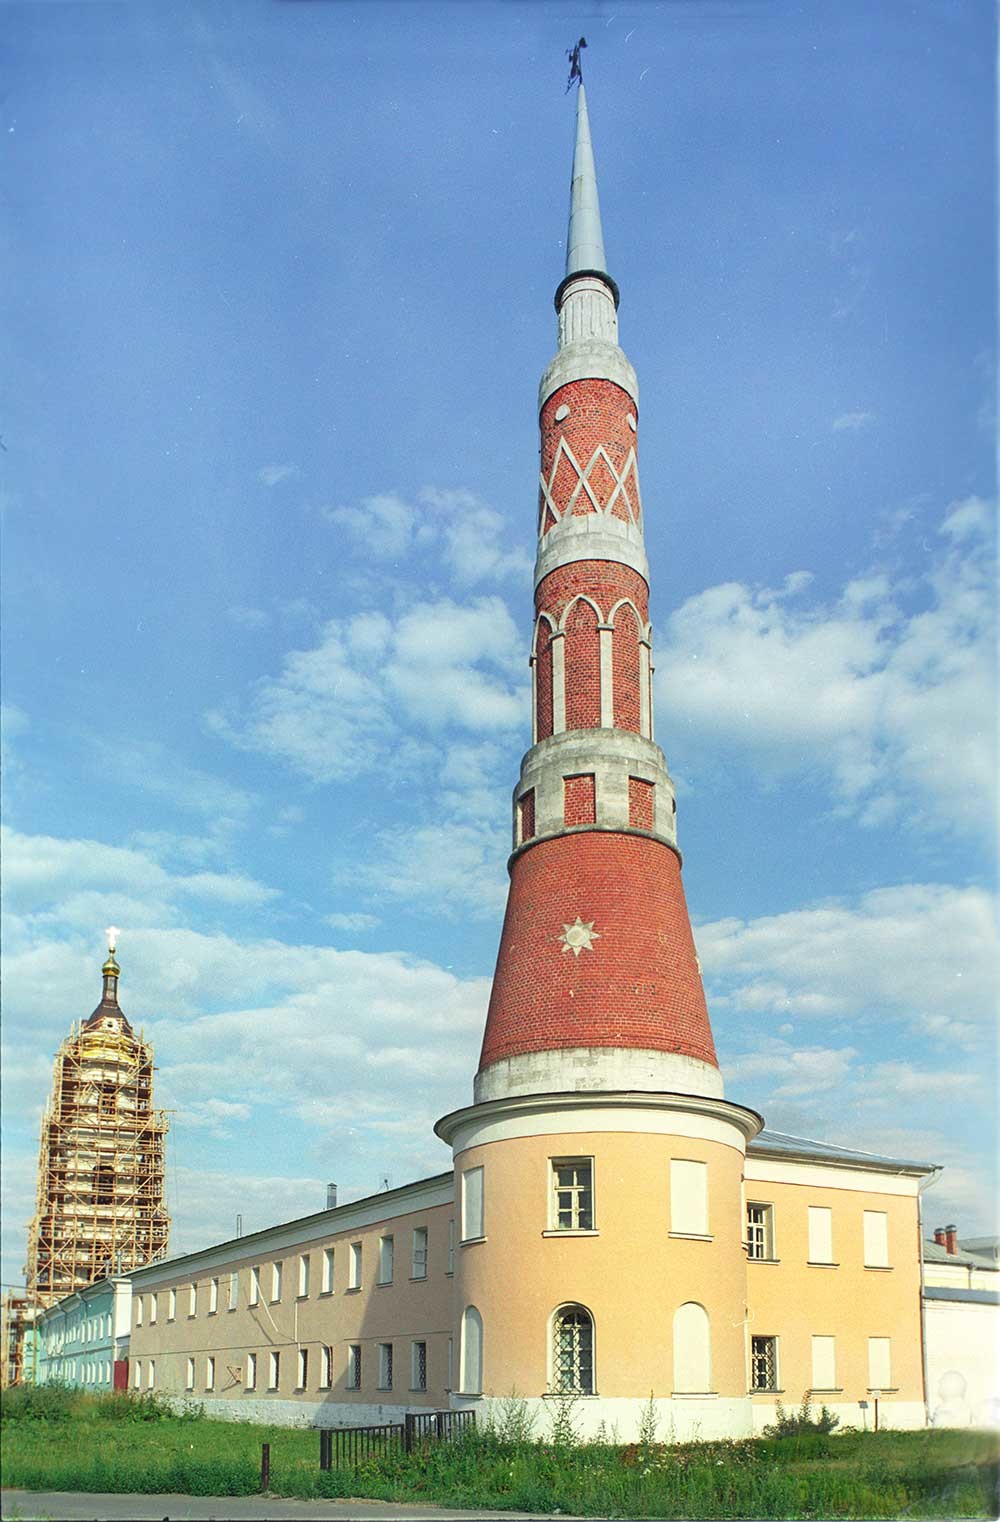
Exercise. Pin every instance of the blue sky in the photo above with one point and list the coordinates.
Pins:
(284, 278)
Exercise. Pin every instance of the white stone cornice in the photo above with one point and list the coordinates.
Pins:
(589, 359)
(592, 536)
(624, 1110)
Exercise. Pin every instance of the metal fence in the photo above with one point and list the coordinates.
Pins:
(346, 1447)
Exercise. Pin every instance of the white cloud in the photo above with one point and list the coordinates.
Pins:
(466, 535)
(272, 475)
(452, 868)
(383, 525)
(150, 767)
(924, 954)
(887, 694)
(344, 706)
(851, 421)
(355, 923)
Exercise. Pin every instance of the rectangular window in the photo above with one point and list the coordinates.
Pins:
(876, 1228)
(136, 1373)
(189, 1376)
(277, 1275)
(760, 1234)
(451, 1245)
(572, 1194)
(418, 1256)
(354, 1267)
(192, 1299)
(251, 1371)
(385, 1255)
(354, 1366)
(255, 1285)
(138, 1310)
(820, 1235)
(234, 1291)
(171, 1304)
(688, 1197)
(763, 1363)
(327, 1368)
(209, 1373)
(213, 1297)
(304, 1270)
(328, 1271)
(385, 1365)
(152, 1309)
(879, 1363)
(150, 1375)
(472, 1204)
(418, 1366)
(303, 1368)
(824, 1363)
(273, 1370)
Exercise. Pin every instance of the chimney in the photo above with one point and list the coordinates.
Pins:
(940, 1238)
(331, 1196)
(951, 1239)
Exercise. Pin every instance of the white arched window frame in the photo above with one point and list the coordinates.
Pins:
(692, 1350)
(645, 633)
(559, 660)
(572, 1350)
(472, 1352)
(543, 618)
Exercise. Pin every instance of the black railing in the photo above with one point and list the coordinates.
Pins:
(346, 1447)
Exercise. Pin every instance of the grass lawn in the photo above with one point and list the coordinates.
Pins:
(60, 1440)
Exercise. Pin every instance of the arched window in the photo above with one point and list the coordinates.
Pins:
(472, 1352)
(543, 679)
(572, 1351)
(583, 667)
(692, 1349)
(625, 667)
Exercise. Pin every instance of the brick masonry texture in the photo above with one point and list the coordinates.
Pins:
(625, 668)
(543, 681)
(604, 582)
(639, 986)
(579, 800)
(640, 803)
(526, 805)
(583, 668)
(598, 418)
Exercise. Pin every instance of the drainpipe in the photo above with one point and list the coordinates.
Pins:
(932, 1178)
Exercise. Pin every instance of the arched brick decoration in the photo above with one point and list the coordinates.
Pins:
(637, 985)
(605, 582)
(597, 421)
(583, 668)
(625, 665)
(543, 679)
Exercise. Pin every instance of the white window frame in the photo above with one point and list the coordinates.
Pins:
(152, 1309)
(274, 1369)
(824, 1355)
(579, 1202)
(689, 1203)
(451, 1245)
(303, 1369)
(326, 1367)
(251, 1383)
(875, 1229)
(138, 1310)
(192, 1299)
(386, 1258)
(210, 1373)
(471, 1370)
(385, 1370)
(189, 1375)
(760, 1232)
(305, 1274)
(329, 1264)
(355, 1265)
(213, 1296)
(418, 1253)
(473, 1205)
(354, 1366)
(171, 1304)
(234, 1290)
(151, 1374)
(255, 1285)
(770, 1355)
(577, 1385)
(277, 1280)
(879, 1362)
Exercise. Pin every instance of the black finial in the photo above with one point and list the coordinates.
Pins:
(575, 70)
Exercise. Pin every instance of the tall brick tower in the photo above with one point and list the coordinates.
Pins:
(599, 1122)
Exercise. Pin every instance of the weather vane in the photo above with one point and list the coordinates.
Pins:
(575, 70)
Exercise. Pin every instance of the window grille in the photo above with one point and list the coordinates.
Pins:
(303, 1368)
(759, 1231)
(385, 1365)
(763, 1363)
(354, 1366)
(573, 1352)
(573, 1194)
(419, 1372)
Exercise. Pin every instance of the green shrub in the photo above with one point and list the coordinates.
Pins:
(511, 1421)
(38, 1403)
(797, 1423)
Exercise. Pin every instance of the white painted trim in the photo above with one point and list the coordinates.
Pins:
(645, 727)
(687, 1417)
(600, 1069)
(558, 647)
(605, 633)
(829, 1175)
(687, 1115)
(424, 1194)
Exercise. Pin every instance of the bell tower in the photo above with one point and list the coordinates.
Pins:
(599, 1168)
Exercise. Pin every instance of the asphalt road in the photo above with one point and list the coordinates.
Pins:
(82, 1506)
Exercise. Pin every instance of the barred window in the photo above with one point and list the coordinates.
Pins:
(385, 1365)
(354, 1366)
(418, 1369)
(573, 1194)
(573, 1352)
(763, 1363)
(760, 1241)
(327, 1377)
